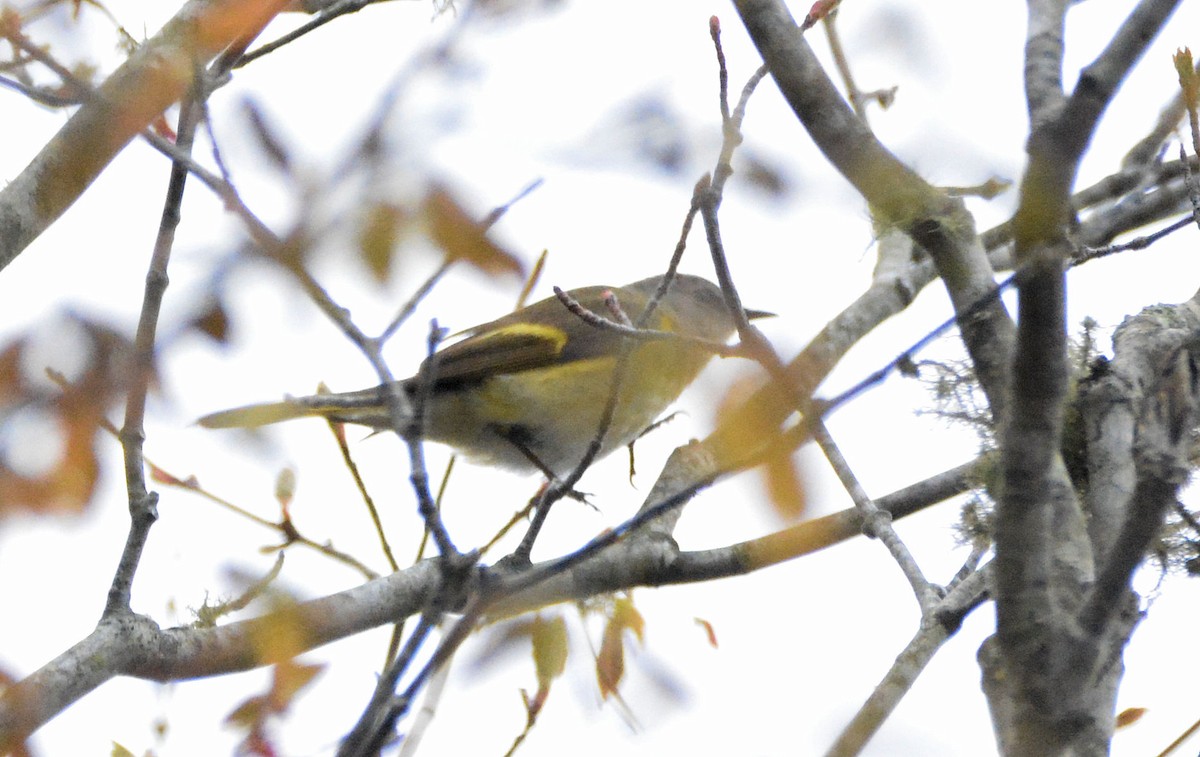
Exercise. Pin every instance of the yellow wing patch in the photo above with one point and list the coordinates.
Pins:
(497, 351)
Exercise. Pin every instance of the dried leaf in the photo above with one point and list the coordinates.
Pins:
(247, 713)
(747, 430)
(709, 632)
(378, 237)
(67, 484)
(627, 617)
(290, 679)
(213, 323)
(1129, 716)
(76, 413)
(461, 237)
(280, 643)
(160, 476)
(610, 661)
(785, 486)
(550, 659)
(549, 648)
(11, 381)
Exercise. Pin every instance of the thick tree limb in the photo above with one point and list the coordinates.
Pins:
(1043, 697)
(132, 645)
(940, 224)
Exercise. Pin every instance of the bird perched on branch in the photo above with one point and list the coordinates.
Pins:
(528, 391)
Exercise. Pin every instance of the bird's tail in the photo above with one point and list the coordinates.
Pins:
(367, 407)
(262, 414)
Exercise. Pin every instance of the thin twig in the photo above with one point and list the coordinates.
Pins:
(339, 436)
(377, 724)
(642, 334)
(876, 522)
(413, 435)
(1088, 254)
(329, 13)
(143, 503)
(853, 95)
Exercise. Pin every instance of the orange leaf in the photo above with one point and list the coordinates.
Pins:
(12, 383)
(76, 410)
(285, 637)
(290, 679)
(68, 484)
(461, 237)
(709, 631)
(785, 487)
(248, 713)
(378, 236)
(160, 476)
(213, 323)
(626, 617)
(748, 430)
(1129, 716)
(549, 648)
(610, 661)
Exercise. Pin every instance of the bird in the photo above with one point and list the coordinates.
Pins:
(527, 391)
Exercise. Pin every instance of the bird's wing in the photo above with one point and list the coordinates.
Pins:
(541, 335)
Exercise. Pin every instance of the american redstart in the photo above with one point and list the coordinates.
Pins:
(527, 391)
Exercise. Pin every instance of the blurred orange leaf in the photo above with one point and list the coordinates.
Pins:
(378, 236)
(71, 413)
(11, 383)
(278, 642)
(627, 617)
(549, 648)
(610, 660)
(549, 657)
(288, 679)
(68, 484)
(784, 484)
(709, 632)
(1129, 716)
(461, 237)
(18, 701)
(286, 636)
(160, 476)
(747, 429)
(213, 323)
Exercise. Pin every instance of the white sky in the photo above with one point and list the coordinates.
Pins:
(802, 644)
